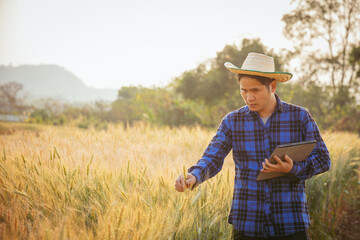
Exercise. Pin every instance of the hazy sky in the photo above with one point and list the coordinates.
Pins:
(114, 43)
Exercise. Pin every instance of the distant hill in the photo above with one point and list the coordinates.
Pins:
(42, 81)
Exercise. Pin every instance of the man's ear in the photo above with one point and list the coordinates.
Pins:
(273, 86)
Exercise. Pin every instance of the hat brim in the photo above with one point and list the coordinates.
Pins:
(278, 76)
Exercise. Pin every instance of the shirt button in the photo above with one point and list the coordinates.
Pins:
(267, 149)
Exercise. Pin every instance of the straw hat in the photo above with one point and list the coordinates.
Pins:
(257, 64)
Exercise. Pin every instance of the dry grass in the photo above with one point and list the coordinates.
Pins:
(68, 183)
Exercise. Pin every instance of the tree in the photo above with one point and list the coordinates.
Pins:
(191, 83)
(323, 32)
(212, 87)
(154, 105)
(48, 111)
(128, 92)
(100, 109)
(214, 84)
(8, 96)
(355, 63)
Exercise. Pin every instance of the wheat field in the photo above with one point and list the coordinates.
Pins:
(71, 183)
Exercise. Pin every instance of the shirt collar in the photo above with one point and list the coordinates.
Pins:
(279, 106)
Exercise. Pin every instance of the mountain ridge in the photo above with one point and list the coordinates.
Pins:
(50, 80)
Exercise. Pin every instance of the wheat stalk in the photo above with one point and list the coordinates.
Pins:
(119, 200)
(185, 175)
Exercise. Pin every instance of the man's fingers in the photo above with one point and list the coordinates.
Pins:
(268, 164)
(182, 181)
(269, 167)
(179, 188)
(180, 184)
(288, 159)
(278, 160)
(280, 166)
(265, 166)
(190, 181)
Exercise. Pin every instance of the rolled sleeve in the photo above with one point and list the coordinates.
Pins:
(319, 159)
(213, 158)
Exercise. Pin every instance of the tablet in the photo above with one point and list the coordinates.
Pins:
(298, 152)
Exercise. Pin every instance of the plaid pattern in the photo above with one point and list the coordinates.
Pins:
(274, 207)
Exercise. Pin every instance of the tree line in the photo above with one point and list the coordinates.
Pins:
(327, 85)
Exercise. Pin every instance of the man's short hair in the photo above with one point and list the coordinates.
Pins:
(263, 80)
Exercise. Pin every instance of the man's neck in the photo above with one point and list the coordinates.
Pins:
(270, 108)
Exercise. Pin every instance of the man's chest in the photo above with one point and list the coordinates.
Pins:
(254, 139)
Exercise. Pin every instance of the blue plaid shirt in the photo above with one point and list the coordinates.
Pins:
(274, 207)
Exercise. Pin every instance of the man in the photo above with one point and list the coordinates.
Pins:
(274, 208)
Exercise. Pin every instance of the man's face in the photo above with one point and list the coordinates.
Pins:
(256, 95)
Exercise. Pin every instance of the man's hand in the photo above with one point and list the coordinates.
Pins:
(282, 167)
(181, 184)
